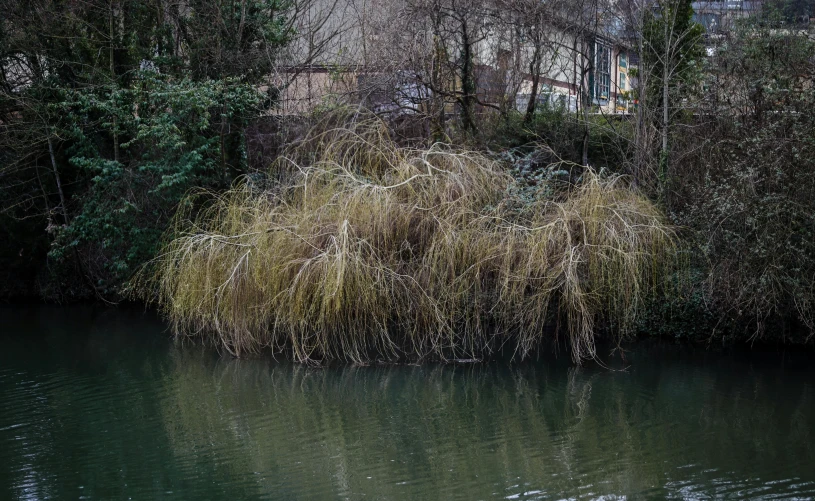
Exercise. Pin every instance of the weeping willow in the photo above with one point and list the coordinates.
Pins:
(366, 250)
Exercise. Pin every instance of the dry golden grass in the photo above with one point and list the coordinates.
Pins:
(371, 251)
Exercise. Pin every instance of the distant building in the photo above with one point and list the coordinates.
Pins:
(718, 16)
(582, 63)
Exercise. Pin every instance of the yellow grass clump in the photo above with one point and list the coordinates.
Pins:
(370, 251)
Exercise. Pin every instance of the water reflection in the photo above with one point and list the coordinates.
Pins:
(103, 406)
(488, 431)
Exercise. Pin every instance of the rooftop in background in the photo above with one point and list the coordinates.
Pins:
(717, 16)
(729, 5)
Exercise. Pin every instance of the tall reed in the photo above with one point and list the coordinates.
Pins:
(370, 251)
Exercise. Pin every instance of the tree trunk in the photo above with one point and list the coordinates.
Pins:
(467, 80)
(639, 136)
(62, 204)
(437, 124)
(665, 119)
(113, 79)
(586, 98)
(535, 70)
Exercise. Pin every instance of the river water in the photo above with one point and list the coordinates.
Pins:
(103, 404)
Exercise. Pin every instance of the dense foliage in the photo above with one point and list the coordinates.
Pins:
(746, 184)
(111, 112)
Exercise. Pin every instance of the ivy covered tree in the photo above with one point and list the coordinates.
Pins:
(672, 52)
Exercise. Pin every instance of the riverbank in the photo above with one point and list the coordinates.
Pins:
(353, 247)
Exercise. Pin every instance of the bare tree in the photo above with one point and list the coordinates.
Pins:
(670, 48)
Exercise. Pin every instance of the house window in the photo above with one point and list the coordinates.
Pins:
(622, 81)
(709, 21)
(602, 72)
(623, 60)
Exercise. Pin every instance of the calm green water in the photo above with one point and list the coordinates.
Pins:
(101, 404)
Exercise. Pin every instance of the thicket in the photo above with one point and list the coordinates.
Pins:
(372, 251)
(745, 182)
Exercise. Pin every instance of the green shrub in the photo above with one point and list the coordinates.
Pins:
(746, 184)
(562, 132)
(175, 143)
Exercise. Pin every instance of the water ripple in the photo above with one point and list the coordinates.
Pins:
(119, 411)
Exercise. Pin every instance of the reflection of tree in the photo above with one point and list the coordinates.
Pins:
(453, 430)
(80, 415)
